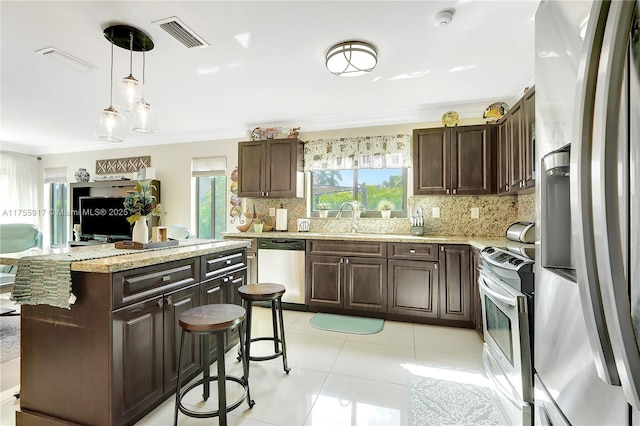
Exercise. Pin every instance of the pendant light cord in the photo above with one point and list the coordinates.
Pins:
(111, 81)
(131, 53)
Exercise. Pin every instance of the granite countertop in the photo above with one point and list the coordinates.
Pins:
(478, 242)
(122, 262)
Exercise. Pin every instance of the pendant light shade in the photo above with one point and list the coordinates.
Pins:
(130, 88)
(110, 123)
(144, 118)
(351, 58)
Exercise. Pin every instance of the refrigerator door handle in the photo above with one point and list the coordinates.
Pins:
(606, 207)
(581, 210)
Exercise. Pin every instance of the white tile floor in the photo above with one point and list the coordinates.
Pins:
(335, 378)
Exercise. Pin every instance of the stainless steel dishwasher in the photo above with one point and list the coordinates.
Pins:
(281, 261)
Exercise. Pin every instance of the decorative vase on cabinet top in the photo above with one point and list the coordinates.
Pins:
(140, 232)
(82, 175)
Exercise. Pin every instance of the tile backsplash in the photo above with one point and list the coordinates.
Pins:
(495, 214)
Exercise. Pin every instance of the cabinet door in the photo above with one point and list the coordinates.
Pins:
(516, 138)
(455, 290)
(235, 280)
(251, 169)
(503, 158)
(431, 159)
(281, 168)
(137, 357)
(413, 288)
(529, 121)
(176, 303)
(475, 291)
(471, 160)
(366, 284)
(324, 281)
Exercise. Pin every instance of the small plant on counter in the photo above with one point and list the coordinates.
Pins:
(323, 206)
(385, 205)
(139, 202)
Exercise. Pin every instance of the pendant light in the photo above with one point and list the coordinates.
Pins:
(110, 123)
(143, 119)
(130, 88)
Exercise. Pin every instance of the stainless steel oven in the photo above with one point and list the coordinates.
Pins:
(506, 288)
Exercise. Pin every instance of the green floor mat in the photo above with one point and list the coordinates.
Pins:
(347, 324)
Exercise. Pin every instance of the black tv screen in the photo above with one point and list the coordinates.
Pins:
(104, 217)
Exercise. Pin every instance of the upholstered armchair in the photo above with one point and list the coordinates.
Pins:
(16, 237)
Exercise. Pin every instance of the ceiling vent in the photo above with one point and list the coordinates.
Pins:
(65, 58)
(181, 32)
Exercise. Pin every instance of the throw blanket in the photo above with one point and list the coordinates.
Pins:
(47, 279)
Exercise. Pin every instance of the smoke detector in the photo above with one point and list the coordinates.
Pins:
(444, 17)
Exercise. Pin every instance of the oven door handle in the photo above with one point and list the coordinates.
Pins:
(482, 282)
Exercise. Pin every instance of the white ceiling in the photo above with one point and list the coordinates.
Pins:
(277, 79)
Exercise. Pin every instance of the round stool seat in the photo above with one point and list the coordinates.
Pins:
(212, 318)
(261, 291)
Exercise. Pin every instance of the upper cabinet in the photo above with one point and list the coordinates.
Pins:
(271, 168)
(516, 156)
(453, 160)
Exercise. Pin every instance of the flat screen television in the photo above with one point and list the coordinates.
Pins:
(104, 218)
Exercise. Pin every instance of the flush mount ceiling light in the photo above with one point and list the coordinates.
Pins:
(351, 58)
(110, 121)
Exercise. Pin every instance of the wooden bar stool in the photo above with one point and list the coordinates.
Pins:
(205, 321)
(265, 292)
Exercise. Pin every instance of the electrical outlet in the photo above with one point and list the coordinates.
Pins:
(435, 212)
(475, 213)
(272, 211)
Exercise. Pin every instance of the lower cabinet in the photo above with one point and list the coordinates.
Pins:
(475, 291)
(455, 290)
(347, 283)
(413, 288)
(346, 276)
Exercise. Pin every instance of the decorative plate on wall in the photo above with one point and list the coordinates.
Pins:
(495, 111)
(450, 119)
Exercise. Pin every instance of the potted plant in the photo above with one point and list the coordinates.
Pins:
(323, 209)
(257, 225)
(385, 208)
(139, 203)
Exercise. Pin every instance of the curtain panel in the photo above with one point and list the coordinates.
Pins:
(365, 152)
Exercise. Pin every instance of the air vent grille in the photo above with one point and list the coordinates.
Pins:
(64, 58)
(181, 32)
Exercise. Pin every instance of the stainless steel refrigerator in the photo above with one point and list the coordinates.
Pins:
(587, 292)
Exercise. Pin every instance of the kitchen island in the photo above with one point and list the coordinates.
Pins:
(112, 357)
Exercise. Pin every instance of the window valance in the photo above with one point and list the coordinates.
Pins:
(365, 152)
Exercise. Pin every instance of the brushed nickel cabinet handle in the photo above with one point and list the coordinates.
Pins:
(166, 278)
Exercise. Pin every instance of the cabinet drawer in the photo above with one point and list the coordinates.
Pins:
(413, 251)
(222, 263)
(347, 248)
(141, 283)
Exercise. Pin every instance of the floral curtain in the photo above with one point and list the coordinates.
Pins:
(370, 152)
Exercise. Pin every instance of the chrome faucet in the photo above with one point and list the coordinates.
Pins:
(353, 204)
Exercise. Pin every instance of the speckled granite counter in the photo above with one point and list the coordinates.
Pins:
(122, 262)
(477, 242)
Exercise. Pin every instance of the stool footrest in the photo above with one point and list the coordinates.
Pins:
(206, 414)
(266, 357)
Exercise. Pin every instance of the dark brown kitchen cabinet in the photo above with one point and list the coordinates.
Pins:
(223, 273)
(516, 146)
(475, 291)
(271, 168)
(413, 288)
(413, 280)
(453, 160)
(346, 276)
(529, 133)
(455, 292)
